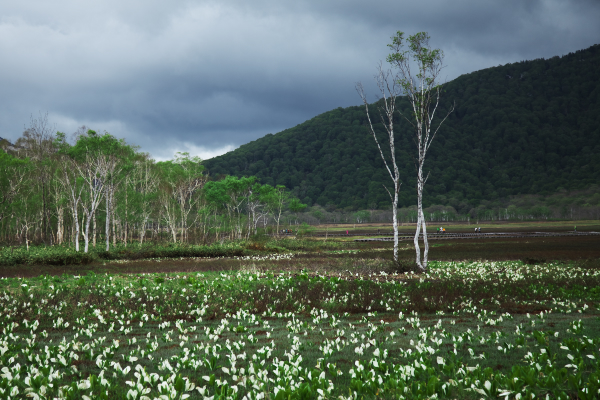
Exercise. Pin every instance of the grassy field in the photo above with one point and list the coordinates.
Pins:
(314, 320)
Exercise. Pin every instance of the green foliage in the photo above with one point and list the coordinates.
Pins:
(304, 229)
(182, 168)
(93, 143)
(524, 128)
(12, 171)
(226, 193)
(361, 216)
(170, 251)
(296, 206)
(44, 255)
(58, 255)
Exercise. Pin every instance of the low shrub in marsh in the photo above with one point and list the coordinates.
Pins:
(59, 255)
(170, 251)
(45, 255)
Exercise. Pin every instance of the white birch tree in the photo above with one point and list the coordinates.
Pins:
(422, 89)
(74, 190)
(258, 205)
(13, 174)
(182, 178)
(116, 158)
(112, 169)
(387, 83)
(146, 184)
(60, 199)
(93, 172)
(277, 202)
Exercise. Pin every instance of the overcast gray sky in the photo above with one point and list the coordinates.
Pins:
(208, 76)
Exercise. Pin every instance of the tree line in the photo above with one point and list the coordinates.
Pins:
(562, 205)
(100, 189)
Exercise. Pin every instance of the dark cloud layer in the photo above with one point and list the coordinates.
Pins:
(208, 76)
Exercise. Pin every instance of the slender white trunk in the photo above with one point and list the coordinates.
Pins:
(183, 219)
(126, 222)
(60, 229)
(278, 218)
(395, 222)
(114, 227)
(86, 233)
(89, 214)
(94, 232)
(143, 230)
(421, 224)
(107, 224)
(387, 85)
(124, 232)
(76, 217)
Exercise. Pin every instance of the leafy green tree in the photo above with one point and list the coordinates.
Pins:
(361, 216)
(295, 206)
(37, 145)
(96, 158)
(260, 205)
(28, 208)
(182, 179)
(144, 184)
(13, 179)
(276, 199)
(238, 192)
(72, 184)
(60, 201)
(217, 201)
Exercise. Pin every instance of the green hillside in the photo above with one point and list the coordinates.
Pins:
(531, 127)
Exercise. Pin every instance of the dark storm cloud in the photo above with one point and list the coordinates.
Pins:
(206, 77)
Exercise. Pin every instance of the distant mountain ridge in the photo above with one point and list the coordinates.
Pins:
(530, 127)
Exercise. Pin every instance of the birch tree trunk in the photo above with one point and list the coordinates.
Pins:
(76, 218)
(74, 194)
(94, 231)
(60, 228)
(169, 213)
(421, 224)
(93, 172)
(108, 213)
(147, 184)
(114, 227)
(112, 169)
(86, 238)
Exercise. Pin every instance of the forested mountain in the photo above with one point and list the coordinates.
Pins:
(531, 127)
